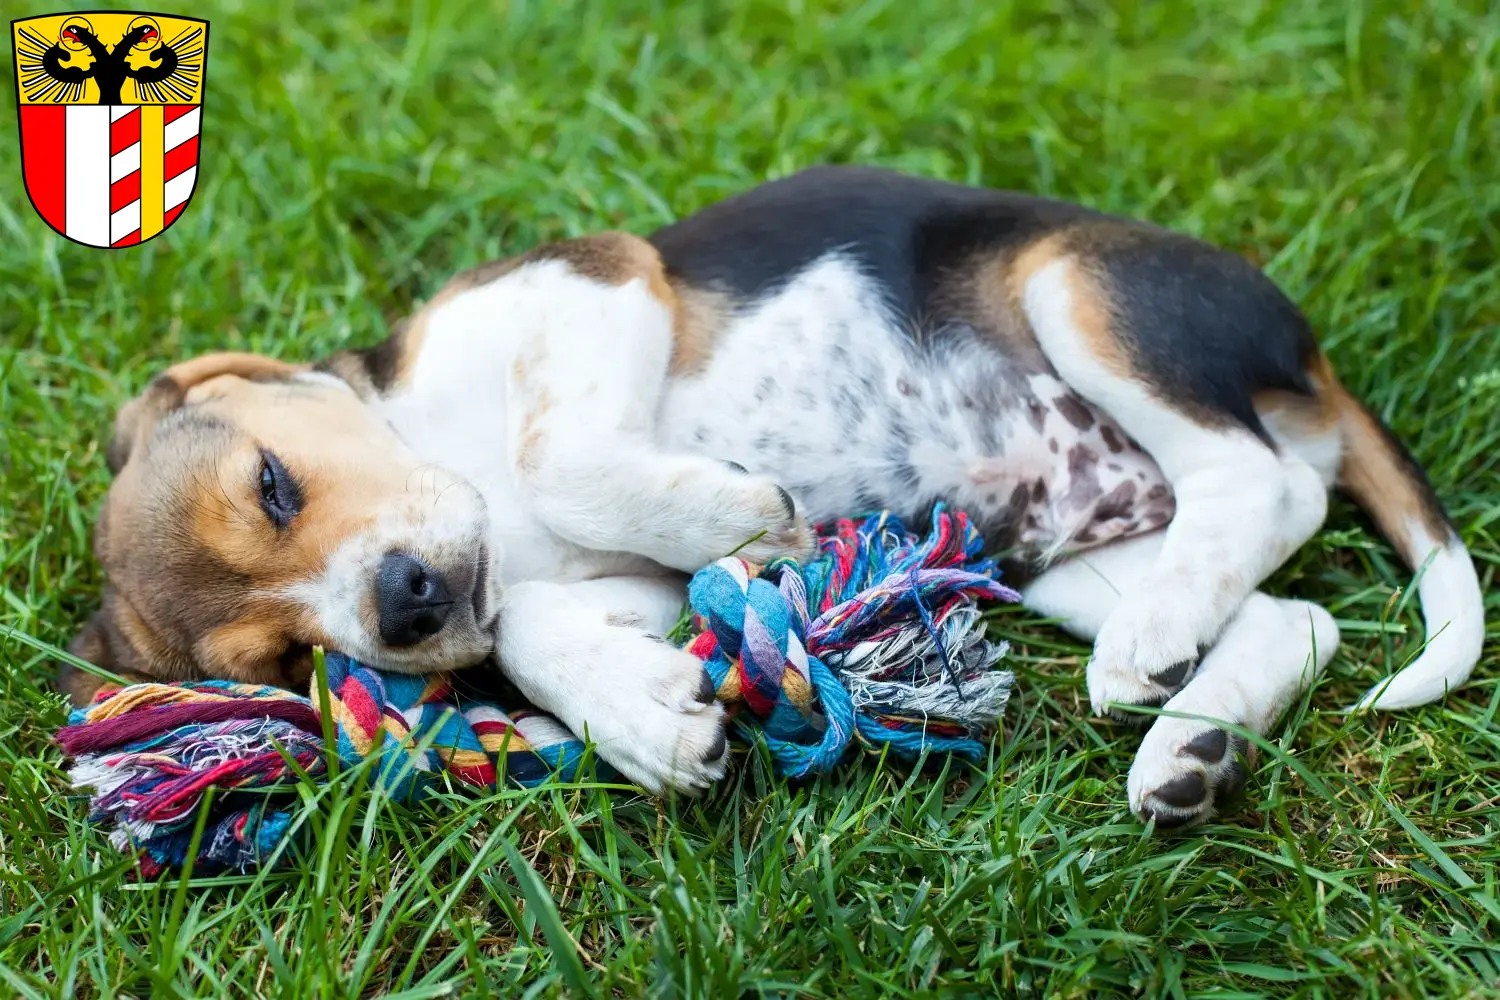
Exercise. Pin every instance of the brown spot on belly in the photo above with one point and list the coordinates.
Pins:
(1083, 476)
(1117, 503)
(1036, 413)
(1111, 439)
(1074, 412)
(1020, 499)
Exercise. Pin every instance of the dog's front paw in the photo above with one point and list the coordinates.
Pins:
(719, 509)
(660, 724)
(781, 531)
(1141, 658)
(1184, 770)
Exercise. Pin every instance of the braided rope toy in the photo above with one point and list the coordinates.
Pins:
(877, 641)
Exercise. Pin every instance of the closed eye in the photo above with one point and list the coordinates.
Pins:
(280, 496)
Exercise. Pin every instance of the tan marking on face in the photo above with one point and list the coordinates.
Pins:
(335, 468)
(255, 648)
(345, 474)
(144, 642)
(203, 581)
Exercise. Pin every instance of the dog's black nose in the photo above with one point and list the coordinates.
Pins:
(413, 600)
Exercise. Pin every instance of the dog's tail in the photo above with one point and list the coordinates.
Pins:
(1388, 483)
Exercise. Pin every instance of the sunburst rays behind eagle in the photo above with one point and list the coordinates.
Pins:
(170, 72)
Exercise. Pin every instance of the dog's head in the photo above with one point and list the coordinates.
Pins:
(259, 509)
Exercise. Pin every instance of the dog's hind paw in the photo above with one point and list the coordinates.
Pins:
(1184, 771)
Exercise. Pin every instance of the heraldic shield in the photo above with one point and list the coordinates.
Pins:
(110, 109)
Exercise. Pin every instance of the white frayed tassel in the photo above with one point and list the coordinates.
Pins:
(92, 771)
(904, 673)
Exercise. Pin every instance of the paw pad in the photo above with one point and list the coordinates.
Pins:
(717, 750)
(706, 692)
(1190, 784)
(1208, 746)
(1174, 676)
(1185, 792)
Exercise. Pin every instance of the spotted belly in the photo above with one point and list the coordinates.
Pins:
(851, 413)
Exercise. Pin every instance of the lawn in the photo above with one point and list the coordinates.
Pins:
(356, 154)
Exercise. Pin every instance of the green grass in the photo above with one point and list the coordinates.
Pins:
(354, 158)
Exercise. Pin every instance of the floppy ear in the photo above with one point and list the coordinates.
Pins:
(92, 646)
(168, 390)
(119, 642)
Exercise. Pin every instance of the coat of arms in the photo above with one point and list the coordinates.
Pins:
(110, 110)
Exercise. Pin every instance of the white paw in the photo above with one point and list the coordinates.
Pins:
(1142, 656)
(657, 720)
(1183, 770)
(718, 509)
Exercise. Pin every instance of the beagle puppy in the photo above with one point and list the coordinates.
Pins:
(527, 467)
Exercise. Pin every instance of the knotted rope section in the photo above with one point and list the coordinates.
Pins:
(894, 657)
(877, 641)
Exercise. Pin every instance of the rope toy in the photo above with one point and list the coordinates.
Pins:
(875, 642)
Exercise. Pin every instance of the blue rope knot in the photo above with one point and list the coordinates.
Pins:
(895, 656)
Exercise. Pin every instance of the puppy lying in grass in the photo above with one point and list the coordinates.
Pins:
(524, 469)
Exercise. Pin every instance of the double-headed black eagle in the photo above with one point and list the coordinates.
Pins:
(170, 74)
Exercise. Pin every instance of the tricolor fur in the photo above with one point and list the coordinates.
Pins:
(1142, 423)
